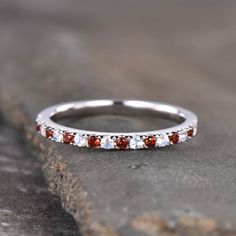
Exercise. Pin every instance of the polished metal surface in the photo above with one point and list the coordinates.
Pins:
(48, 117)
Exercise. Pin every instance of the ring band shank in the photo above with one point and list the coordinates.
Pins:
(47, 118)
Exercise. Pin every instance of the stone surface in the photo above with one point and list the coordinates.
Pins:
(26, 206)
(178, 52)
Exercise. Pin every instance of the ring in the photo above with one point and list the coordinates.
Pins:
(47, 126)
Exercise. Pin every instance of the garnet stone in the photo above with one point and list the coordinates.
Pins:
(122, 143)
(190, 133)
(150, 141)
(94, 142)
(174, 138)
(68, 138)
(49, 133)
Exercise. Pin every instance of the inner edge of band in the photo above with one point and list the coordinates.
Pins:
(190, 118)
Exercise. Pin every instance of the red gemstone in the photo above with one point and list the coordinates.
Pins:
(174, 138)
(68, 138)
(150, 141)
(49, 133)
(94, 142)
(190, 133)
(38, 126)
(122, 143)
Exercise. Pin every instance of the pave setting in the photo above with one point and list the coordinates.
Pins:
(108, 140)
(117, 142)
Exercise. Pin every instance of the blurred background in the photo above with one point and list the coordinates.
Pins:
(125, 44)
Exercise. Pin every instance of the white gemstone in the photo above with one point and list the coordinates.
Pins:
(107, 143)
(57, 136)
(43, 130)
(162, 140)
(194, 131)
(136, 143)
(80, 140)
(183, 136)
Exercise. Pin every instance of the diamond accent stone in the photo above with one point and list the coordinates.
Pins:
(136, 142)
(80, 140)
(162, 140)
(57, 136)
(183, 136)
(43, 130)
(107, 142)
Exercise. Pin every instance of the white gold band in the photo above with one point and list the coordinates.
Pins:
(47, 127)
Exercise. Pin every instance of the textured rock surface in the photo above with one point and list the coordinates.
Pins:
(53, 51)
(26, 206)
